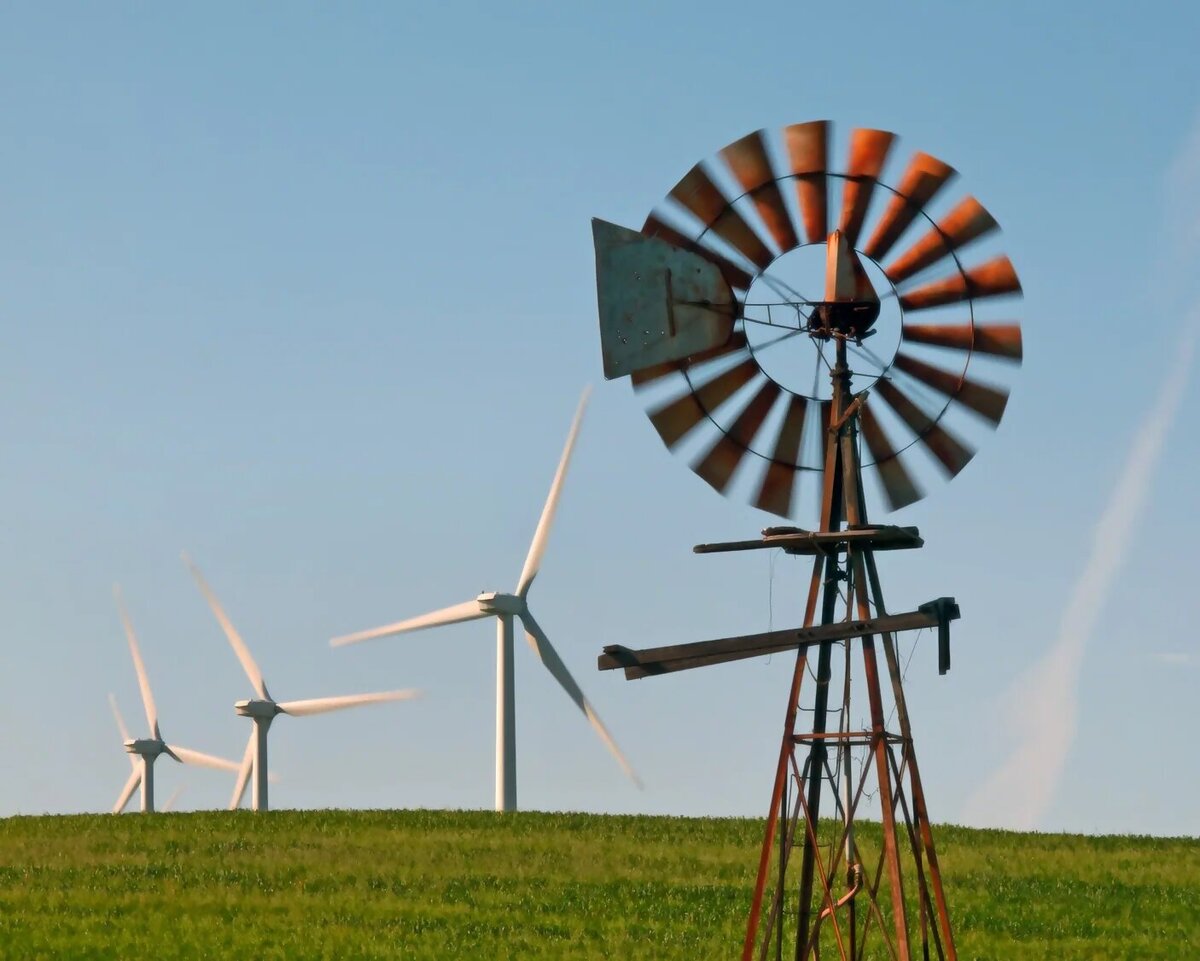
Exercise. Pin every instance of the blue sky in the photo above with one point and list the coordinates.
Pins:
(308, 291)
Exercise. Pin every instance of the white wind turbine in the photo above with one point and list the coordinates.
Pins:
(263, 708)
(144, 751)
(504, 607)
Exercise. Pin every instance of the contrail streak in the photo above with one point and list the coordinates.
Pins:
(1046, 697)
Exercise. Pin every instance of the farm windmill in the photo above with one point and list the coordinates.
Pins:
(703, 310)
(506, 607)
(263, 709)
(144, 751)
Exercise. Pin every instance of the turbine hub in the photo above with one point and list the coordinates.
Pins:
(495, 603)
(145, 747)
(257, 708)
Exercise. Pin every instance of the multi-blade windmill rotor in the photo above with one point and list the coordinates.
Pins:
(735, 392)
(506, 607)
(144, 751)
(263, 709)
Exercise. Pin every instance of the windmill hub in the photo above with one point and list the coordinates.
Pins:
(494, 603)
(257, 708)
(145, 747)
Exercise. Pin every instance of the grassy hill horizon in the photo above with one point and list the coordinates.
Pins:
(425, 884)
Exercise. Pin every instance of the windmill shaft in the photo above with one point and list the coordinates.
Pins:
(506, 717)
(258, 798)
(147, 784)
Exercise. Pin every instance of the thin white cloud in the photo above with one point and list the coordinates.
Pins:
(1046, 697)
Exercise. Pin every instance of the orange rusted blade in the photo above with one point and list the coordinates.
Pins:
(950, 452)
(775, 494)
(679, 417)
(717, 466)
(868, 151)
(991, 279)
(988, 402)
(653, 227)
(922, 180)
(898, 486)
(748, 160)
(736, 342)
(700, 195)
(825, 419)
(808, 157)
(963, 224)
(1002, 340)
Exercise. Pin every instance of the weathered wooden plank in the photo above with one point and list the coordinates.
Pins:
(682, 657)
(796, 541)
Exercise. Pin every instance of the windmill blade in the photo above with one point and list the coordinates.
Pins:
(966, 222)
(868, 153)
(243, 778)
(950, 452)
(170, 803)
(323, 705)
(778, 484)
(700, 196)
(647, 375)
(737, 277)
(187, 756)
(987, 401)
(235, 639)
(138, 665)
(679, 417)
(898, 486)
(921, 182)
(541, 646)
(470, 610)
(748, 160)
(537, 547)
(112, 702)
(991, 279)
(717, 465)
(127, 791)
(1000, 340)
(808, 157)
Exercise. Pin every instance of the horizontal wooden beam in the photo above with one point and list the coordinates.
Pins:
(793, 540)
(682, 657)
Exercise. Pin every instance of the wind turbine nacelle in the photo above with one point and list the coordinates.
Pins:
(495, 603)
(145, 747)
(256, 708)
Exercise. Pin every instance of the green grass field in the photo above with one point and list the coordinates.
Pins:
(435, 885)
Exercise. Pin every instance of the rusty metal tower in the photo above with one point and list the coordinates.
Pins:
(703, 310)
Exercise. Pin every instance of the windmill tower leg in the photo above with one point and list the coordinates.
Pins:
(259, 796)
(506, 717)
(147, 784)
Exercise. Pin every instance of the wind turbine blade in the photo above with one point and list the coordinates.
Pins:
(127, 791)
(466, 611)
(243, 778)
(112, 702)
(549, 656)
(537, 548)
(188, 756)
(172, 799)
(235, 639)
(323, 705)
(138, 665)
